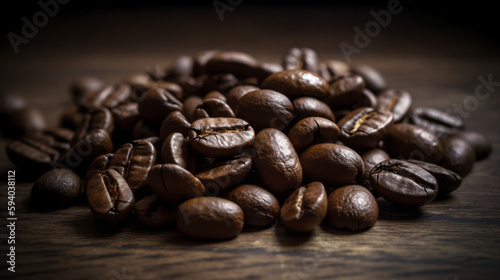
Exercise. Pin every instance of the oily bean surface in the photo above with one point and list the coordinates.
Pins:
(224, 175)
(398, 102)
(438, 122)
(313, 130)
(448, 181)
(297, 83)
(56, 188)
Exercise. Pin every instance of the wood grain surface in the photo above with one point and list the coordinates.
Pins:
(437, 62)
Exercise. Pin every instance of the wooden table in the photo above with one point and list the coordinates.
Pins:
(453, 238)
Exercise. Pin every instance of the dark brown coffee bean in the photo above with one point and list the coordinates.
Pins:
(220, 137)
(458, 156)
(260, 207)
(126, 115)
(234, 95)
(403, 183)
(448, 181)
(305, 208)
(224, 175)
(200, 60)
(276, 161)
(301, 58)
(157, 104)
(174, 184)
(331, 164)
(209, 218)
(109, 97)
(85, 85)
(237, 63)
(345, 90)
(212, 108)
(297, 83)
(305, 107)
(109, 196)
(139, 90)
(370, 159)
(182, 66)
(398, 102)
(57, 188)
(313, 130)
(333, 68)
(25, 120)
(481, 144)
(175, 149)
(71, 117)
(413, 142)
(215, 95)
(222, 82)
(174, 122)
(9, 103)
(101, 118)
(367, 99)
(153, 212)
(364, 127)
(265, 69)
(265, 108)
(144, 129)
(373, 79)
(98, 165)
(190, 105)
(352, 207)
(439, 123)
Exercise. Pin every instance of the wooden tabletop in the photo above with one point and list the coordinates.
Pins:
(438, 62)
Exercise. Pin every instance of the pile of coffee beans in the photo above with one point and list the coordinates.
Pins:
(220, 141)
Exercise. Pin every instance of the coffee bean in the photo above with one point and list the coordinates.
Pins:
(57, 188)
(212, 108)
(153, 212)
(333, 68)
(297, 83)
(157, 104)
(209, 218)
(71, 117)
(234, 95)
(448, 181)
(200, 60)
(276, 161)
(238, 63)
(101, 118)
(352, 207)
(215, 95)
(345, 90)
(190, 105)
(22, 121)
(224, 175)
(313, 130)
(174, 122)
(85, 85)
(109, 97)
(403, 183)
(109, 196)
(98, 165)
(481, 144)
(10, 103)
(180, 67)
(144, 129)
(301, 58)
(398, 102)
(222, 82)
(305, 208)
(126, 115)
(175, 149)
(331, 164)
(367, 99)
(370, 159)
(373, 79)
(440, 123)
(305, 107)
(458, 156)
(266, 69)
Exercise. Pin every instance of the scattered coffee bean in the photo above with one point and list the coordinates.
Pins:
(448, 181)
(482, 146)
(57, 188)
(458, 156)
(436, 121)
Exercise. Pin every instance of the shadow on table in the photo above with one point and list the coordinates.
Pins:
(389, 211)
(288, 238)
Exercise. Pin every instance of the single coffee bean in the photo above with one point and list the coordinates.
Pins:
(25, 120)
(209, 218)
(305, 107)
(345, 90)
(266, 69)
(85, 85)
(98, 165)
(297, 83)
(398, 102)
(224, 175)
(9, 103)
(212, 108)
(373, 79)
(440, 123)
(265, 108)
(305, 208)
(331, 164)
(109, 97)
(313, 130)
(333, 68)
(157, 104)
(109, 196)
(370, 159)
(403, 183)
(480, 144)
(301, 58)
(174, 184)
(126, 115)
(367, 99)
(276, 161)
(190, 105)
(260, 207)
(237, 63)
(234, 95)
(182, 66)
(222, 82)
(458, 156)
(101, 118)
(200, 60)
(174, 122)
(215, 95)
(448, 181)
(153, 212)
(71, 117)
(175, 149)
(364, 127)
(413, 142)
(352, 207)
(57, 188)
(220, 137)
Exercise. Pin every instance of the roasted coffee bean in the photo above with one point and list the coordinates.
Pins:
(109, 196)
(200, 60)
(174, 184)
(209, 218)
(482, 146)
(240, 64)
(305, 208)
(126, 115)
(175, 149)
(403, 183)
(305, 107)
(181, 67)
(157, 104)
(370, 159)
(413, 142)
(331, 164)
(139, 89)
(364, 127)
(57, 188)
(458, 156)
(313, 130)
(190, 105)
(215, 95)
(144, 129)
(25, 120)
(101, 118)
(301, 58)
(9, 103)
(367, 99)
(153, 212)
(345, 90)
(265, 69)
(440, 123)
(71, 117)
(224, 175)
(174, 122)
(212, 108)
(448, 181)
(85, 85)
(276, 161)
(352, 207)
(220, 137)
(260, 207)
(109, 97)
(98, 165)
(297, 83)
(333, 68)
(222, 82)
(398, 102)
(265, 108)
(373, 79)
(234, 95)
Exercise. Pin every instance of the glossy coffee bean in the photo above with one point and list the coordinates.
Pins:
(109, 97)
(260, 207)
(85, 85)
(413, 142)
(140, 88)
(109, 196)
(313, 130)
(153, 212)
(213, 108)
(101, 118)
(332, 68)
(224, 175)
(364, 127)
(398, 102)
(181, 66)
(157, 104)
(200, 60)
(209, 218)
(297, 83)
(9, 103)
(265, 108)
(305, 208)
(305, 107)
(220, 137)
(234, 95)
(215, 95)
(266, 69)
(403, 183)
(176, 150)
(370, 159)
(352, 207)
(373, 79)
(448, 181)
(367, 99)
(276, 161)
(174, 184)
(237, 63)
(222, 82)
(480, 144)
(345, 90)
(301, 58)
(98, 165)
(438, 122)
(189, 105)
(174, 122)
(331, 164)
(126, 115)
(458, 156)
(25, 120)
(57, 188)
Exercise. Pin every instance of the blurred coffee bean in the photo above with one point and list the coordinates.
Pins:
(440, 123)
(373, 79)
(398, 102)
